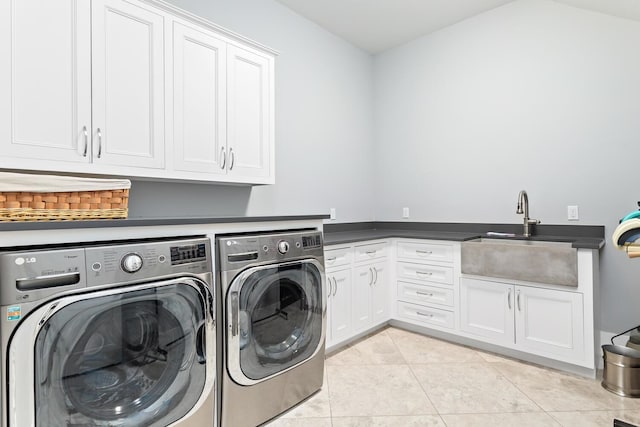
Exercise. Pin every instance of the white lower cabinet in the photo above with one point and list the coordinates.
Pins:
(339, 326)
(546, 322)
(426, 274)
(357, 289)
(419, 282)
(370, 295)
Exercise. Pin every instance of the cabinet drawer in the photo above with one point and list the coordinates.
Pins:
(422, 294)
(425, 272)
(426, 315)
(337, 257)
(425, 251)
(371, 251)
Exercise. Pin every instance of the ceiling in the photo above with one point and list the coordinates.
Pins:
(378, 25)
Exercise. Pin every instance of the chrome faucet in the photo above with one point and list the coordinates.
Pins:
(523, 208)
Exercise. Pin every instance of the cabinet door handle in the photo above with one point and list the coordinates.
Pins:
(99, 143)
(223, 155)
(86, 141)
(509, 298)
(371, 279)
(335, 288)
(518, 300)
(232, 158)
(427, 294)
(375, 270)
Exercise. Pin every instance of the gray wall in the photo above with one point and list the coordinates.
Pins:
(324, 124)
(533, 95)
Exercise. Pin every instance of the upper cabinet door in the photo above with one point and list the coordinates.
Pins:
(45, 80)
(199, 96)
(128, 84)
(250, 114)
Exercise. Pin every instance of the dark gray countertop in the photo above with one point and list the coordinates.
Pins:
(581, 237)
(146, 222)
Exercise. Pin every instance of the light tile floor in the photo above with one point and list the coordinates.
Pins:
(399, 378)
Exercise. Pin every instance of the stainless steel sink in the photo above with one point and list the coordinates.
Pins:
(526, 260)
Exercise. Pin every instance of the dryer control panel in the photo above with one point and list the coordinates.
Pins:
(237, 251)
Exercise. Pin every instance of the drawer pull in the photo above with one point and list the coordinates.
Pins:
(331, 260)
(424, 314)
(371, 253)
(421, 252)
(428, 294)
(427, 273)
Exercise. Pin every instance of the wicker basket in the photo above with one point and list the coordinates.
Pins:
(62, 205)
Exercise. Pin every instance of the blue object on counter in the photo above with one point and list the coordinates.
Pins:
(634, 214)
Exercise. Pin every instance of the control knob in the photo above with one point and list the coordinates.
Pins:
(283, 247)
(131, 263)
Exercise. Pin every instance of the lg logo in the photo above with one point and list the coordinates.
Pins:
(20, 260)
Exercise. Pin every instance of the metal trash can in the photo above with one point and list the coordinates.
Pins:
(621, 373)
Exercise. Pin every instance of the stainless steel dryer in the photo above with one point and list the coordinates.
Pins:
(272, 328)
(115, 335)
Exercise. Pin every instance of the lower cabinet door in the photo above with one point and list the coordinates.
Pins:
(380, 293)
(550, 323)
(339, 304)
(364, 278)
(487, 310)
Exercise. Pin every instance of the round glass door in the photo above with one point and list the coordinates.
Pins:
(125, 359)
(279, 318)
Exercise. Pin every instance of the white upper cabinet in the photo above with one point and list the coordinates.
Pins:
(128, 85)
(137, 88)
(199, 100)
(250, 113)
(45, 80)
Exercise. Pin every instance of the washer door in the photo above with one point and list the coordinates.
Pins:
(275, 319)
(131, 357)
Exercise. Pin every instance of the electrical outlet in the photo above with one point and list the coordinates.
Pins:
(572, 213)
(332, 213)
(405, 212)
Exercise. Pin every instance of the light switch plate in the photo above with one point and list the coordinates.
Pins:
(332, 213)
(405, 212)
(572, 213)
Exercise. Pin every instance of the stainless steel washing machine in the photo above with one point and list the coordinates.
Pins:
(272, 324)
(108, 335)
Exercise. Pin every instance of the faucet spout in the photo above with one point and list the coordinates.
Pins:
(523, 209)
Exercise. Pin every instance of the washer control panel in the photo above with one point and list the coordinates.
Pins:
(120, 263)
(30, 275)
